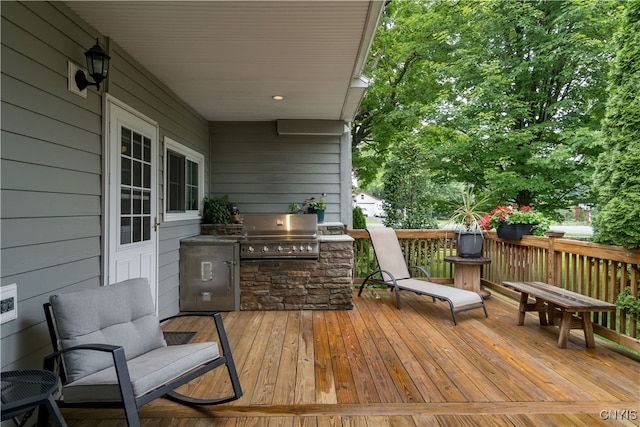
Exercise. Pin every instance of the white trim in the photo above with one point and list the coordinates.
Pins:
(108, 101)
(194, 156)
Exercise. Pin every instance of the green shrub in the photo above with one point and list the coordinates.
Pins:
(215, 210)
(359, 220)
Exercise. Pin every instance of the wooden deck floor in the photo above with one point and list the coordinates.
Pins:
(379, 366)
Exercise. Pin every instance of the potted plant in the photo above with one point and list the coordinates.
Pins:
(218, 210)
(295, 208)
(466, 220)
(512, 222)
(316, 206)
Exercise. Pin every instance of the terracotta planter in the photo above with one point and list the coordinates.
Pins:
(513, 231)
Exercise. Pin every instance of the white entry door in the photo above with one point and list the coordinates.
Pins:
(132, 196)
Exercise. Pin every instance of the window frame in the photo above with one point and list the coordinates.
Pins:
(192, 156)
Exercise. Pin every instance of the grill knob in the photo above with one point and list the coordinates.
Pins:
(280, 249)
(294, 248)
(265, 248)
(250, 249)
(309, 248)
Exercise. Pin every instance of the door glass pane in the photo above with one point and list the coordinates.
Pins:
(126, 170)
(146, 203)
(135, 187)
(125, 230)
(125, 201)
(146, 150)
(146, 228)
(137, 202)
(137, 174)
(137, 229)
(146, 181)
(137, 146)
(125, 142)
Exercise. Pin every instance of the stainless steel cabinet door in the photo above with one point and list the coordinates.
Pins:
(208, 277)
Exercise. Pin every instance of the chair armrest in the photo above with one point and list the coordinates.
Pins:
(119, 361)
(422, 270)
(378, 272)
(50, 358)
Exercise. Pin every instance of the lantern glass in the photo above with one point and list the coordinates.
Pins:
(97, 63)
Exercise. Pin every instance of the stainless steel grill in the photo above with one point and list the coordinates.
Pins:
(279, 236)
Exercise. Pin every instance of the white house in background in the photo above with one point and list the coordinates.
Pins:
(371, 206)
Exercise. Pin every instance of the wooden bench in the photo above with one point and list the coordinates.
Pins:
(572, 309)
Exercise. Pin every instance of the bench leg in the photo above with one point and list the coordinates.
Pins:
(588, 330)
(565, 328)
(523, 308)
(537, 306)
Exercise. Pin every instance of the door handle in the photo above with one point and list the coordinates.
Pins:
(155, 223)
(230, 281)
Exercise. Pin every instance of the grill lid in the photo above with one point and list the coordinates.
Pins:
(288, 226)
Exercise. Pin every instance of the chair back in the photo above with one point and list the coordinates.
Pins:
(388, 253)
(122, 314)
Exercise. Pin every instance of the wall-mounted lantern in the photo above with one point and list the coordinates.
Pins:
(98, 66)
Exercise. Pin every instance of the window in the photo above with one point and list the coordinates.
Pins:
(184, 181)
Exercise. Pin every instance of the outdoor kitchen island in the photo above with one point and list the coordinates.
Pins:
(324, 283)
(290, 263)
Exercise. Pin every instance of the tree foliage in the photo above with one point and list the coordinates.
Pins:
(504, 95)
(408, 201)
(617, 181)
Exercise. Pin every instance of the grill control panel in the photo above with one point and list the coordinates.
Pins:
(305, 249)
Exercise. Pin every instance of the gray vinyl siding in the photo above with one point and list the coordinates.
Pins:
(263, 172)
(52, 167)
(51, 172)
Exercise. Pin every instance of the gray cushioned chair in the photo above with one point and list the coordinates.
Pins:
(392, 271)
(110, 351)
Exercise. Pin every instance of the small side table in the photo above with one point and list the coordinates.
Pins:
(25, 390)
(466, 274)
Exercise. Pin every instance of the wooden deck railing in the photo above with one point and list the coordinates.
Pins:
(598, 271)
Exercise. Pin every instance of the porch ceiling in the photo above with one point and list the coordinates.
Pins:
(227, 59)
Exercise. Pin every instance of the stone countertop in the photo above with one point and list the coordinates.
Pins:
(211, 238)
(335, 238)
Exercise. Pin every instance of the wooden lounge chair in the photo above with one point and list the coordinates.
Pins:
(393, 272)
(110, 352)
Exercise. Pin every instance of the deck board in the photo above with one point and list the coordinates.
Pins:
(376, 365)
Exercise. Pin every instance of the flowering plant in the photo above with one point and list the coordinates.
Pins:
(514, 214)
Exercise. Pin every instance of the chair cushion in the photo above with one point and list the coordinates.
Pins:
(148, 372)
(121, 314)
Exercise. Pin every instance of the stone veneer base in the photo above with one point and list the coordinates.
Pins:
(325, 284)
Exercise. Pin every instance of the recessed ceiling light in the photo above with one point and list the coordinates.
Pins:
(277, 97)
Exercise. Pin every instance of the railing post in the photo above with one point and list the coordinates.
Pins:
(552, 272)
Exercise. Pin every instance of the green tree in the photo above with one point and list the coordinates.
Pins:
(505, 95)
(395, 102)
(408, 199)
(617, 181)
